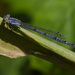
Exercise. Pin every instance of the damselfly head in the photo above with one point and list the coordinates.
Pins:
(6, 17)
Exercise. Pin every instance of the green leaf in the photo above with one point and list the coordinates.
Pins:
(19, 43)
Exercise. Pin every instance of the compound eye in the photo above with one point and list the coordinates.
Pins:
(7, 15)
(4, 19)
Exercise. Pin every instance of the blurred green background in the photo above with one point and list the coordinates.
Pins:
(56, 15)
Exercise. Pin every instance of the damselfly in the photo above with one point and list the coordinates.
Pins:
(54, 35)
